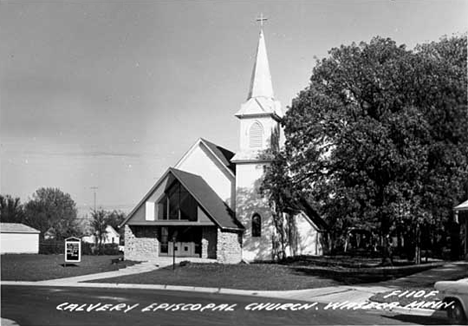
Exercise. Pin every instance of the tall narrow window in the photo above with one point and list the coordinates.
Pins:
(256, 226)
(164, 239)
(177, 204)
(256, 135)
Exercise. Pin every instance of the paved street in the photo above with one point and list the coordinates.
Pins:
(92, 306)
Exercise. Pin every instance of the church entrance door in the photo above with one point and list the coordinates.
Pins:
(184, 241)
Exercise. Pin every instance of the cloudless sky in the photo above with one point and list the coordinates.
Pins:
(111, 93)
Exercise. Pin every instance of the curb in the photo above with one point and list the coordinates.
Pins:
(418, 312)
(147, 287)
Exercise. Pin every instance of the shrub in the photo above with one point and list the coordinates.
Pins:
(86, 248)
(110, 249)
(51, 247)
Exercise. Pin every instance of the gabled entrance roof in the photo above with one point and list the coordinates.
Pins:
(205, 196)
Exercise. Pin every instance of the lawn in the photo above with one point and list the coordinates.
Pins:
(290, 275)
(247, 277)
(24, 267)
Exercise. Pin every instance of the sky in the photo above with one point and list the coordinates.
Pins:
(109, 94)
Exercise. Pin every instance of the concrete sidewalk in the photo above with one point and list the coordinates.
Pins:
(144, 267)
(447, 272)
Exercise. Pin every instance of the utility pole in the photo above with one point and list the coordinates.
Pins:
(94, 189)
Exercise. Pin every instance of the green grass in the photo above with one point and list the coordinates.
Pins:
(356, 270)
(347, 261)
(293, 275)
(246, 277)
(24, 267)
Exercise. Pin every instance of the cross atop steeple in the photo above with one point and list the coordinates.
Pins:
(261, 19)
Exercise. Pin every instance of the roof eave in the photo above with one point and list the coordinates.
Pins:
(199, 201)
(192, 148)
(130, 215)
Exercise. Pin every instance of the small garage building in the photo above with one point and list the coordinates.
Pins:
(18, 238)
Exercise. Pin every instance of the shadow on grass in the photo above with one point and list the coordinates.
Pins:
(69, 265)
(348, 276)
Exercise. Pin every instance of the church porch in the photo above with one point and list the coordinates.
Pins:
(151, 242)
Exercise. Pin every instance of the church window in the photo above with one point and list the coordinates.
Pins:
(177, 204)
(256, 135)
(256, 226)
(164, 239)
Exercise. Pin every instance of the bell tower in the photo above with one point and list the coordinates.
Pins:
(260, 117)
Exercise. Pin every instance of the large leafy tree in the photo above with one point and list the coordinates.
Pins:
(52, 209)
(378, 139)
(11, 210)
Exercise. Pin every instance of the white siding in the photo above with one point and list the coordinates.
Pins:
(19, 243)
(248, 203)
(308, 237)
(201, 163)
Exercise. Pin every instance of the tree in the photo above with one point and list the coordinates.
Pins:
(11, 210)
(99, 224)
(52, 208)
(115, 217)
(378, 138)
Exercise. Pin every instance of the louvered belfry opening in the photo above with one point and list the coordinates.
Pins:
(256, 135)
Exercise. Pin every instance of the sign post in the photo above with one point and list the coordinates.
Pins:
(72, 250)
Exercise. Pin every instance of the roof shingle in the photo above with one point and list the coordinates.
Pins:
(208, 199)
(16, 228)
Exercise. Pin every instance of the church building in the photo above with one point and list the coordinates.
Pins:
(208, 206)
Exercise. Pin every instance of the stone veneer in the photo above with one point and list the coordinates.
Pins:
(229, 248)
(141, 242)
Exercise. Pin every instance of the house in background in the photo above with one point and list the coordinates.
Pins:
(209, 205)
(17, 238)
(111, 236)
(49, 234)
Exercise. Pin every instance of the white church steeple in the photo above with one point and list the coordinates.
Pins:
(260, 83)
(260, 115)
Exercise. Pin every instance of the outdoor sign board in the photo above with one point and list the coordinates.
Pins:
(72, 250)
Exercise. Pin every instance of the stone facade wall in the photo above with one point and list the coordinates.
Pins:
(209, 242)
(229, 247)
(141, 243)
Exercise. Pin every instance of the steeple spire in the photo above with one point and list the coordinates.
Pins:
(260, 83)
(260, 100)
(260, 114)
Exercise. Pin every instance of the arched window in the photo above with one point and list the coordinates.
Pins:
(256, 135)
(256, 225)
